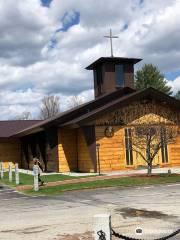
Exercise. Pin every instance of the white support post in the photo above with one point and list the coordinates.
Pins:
(1, 170)
(16, 174)
(10, 172)
(102, 222)
(36, 183)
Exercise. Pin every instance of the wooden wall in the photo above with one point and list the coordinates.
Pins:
(107, 77)
(112, 152)
(129, 75)
(67, 150)
(113, 156)
(73, 151)
(174, 153)
(84, 161)
(10, 151)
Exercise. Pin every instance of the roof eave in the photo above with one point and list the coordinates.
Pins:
(27, 132)
(112, 59)
(149, 92)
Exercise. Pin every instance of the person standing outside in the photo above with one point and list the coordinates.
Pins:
(40, 170)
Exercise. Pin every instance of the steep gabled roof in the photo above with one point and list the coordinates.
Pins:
(95, 108)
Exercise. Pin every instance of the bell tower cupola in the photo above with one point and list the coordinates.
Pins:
(112, 73)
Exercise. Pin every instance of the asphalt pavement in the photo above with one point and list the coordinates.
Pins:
(154, 209)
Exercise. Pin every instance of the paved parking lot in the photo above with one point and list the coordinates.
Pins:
(156, 209)
(7, 194)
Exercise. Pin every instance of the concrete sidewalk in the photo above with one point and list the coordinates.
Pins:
(127, 172)
(120, 172)
(144, 171)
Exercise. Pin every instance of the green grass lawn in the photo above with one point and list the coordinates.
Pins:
(26, 179)
(126, 181)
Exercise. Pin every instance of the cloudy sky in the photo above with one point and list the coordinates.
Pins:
(46, 44)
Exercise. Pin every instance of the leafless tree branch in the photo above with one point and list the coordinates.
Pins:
(50, 106)
(148, 139)
(74, 101)
(24, 116)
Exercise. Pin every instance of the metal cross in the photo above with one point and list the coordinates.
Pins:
(111, 37)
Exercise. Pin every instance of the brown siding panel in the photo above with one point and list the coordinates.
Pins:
(90, 138)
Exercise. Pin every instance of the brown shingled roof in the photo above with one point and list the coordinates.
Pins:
(10, 127)
(75, 112)
(101, 105)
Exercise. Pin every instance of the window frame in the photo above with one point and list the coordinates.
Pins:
(128, 147)
(119, 75)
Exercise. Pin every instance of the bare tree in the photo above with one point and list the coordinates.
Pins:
(50, 106)
(74, 101)
(24, 116)
(148, 139)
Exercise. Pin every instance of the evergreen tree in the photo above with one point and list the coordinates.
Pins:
(150, 76)
(177, 95)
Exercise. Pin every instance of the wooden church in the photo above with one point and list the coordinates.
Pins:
(96, 134)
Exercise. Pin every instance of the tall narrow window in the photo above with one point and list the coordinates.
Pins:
(119, 71)
(95, 78)
(128, 145)
(164, 149)
(98, 79)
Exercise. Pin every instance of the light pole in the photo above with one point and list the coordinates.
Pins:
(97, 149)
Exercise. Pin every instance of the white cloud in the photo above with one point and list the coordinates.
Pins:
(30, 68)
(175, 84)
(13, 103)
(25, 29)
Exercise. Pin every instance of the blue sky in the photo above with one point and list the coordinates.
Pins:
(57, 39)
(172, 75)
(46, 3)
(67, 22)
(74, 20)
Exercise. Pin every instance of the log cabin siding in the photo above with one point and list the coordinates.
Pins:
(85, 163)
(67, 150)
(113, 156)
(10, 151)
(174, 153)
(112, 150)
(73, 151)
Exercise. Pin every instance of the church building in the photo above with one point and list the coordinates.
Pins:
(96, 134)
